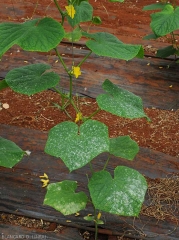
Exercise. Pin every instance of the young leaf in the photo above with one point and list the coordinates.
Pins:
(77, 146)
(10, 153)
(92, 219)
(122, 195)
(96, 20)
(166, 21)
(123, 147)
(73, 36)
(120, 102)
(62, 197)
(154, 6)
(89, 218)
(84, 13)
(107, 45)
(166, 52)
(31, 79)
(35, 35)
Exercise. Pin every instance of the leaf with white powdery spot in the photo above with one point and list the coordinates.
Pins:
(62, 197)
(77, 146)
(32, 79)
(123, 147)
(122, 195)
(120, 102)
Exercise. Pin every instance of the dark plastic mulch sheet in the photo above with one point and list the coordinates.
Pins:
(154, 80)
(19, 232)
(22, 193)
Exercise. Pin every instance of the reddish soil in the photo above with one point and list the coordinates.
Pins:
(38, 112)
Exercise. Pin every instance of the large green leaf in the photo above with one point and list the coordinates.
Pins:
(34, 35)
(122, 195)
(62, 197)
(123, 147)
(120, 102)
(10, 153)
(166, 21)
(84, 13)
(106, 44)
(77, 146)
(31, 79)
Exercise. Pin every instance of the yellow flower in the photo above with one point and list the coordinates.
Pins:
(99, 215)
(76, 71)
(70, 10)
(44, 176)
(77, 214)
(44, 181)
(78, 117)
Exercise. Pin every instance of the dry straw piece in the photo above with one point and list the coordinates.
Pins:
(163, 199)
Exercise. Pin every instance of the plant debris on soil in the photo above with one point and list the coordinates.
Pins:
(163, 199)
(162, 204)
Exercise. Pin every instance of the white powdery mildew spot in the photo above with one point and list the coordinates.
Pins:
(71, 207)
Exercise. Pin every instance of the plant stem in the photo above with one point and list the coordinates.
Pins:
(106, 163)
(74, 105)
(71, 90)
(84, 59)
(59, 92)
(91, 168)
(95, 223)
(61, 12)
(96, 230)
(62, 62)
(94, 113)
